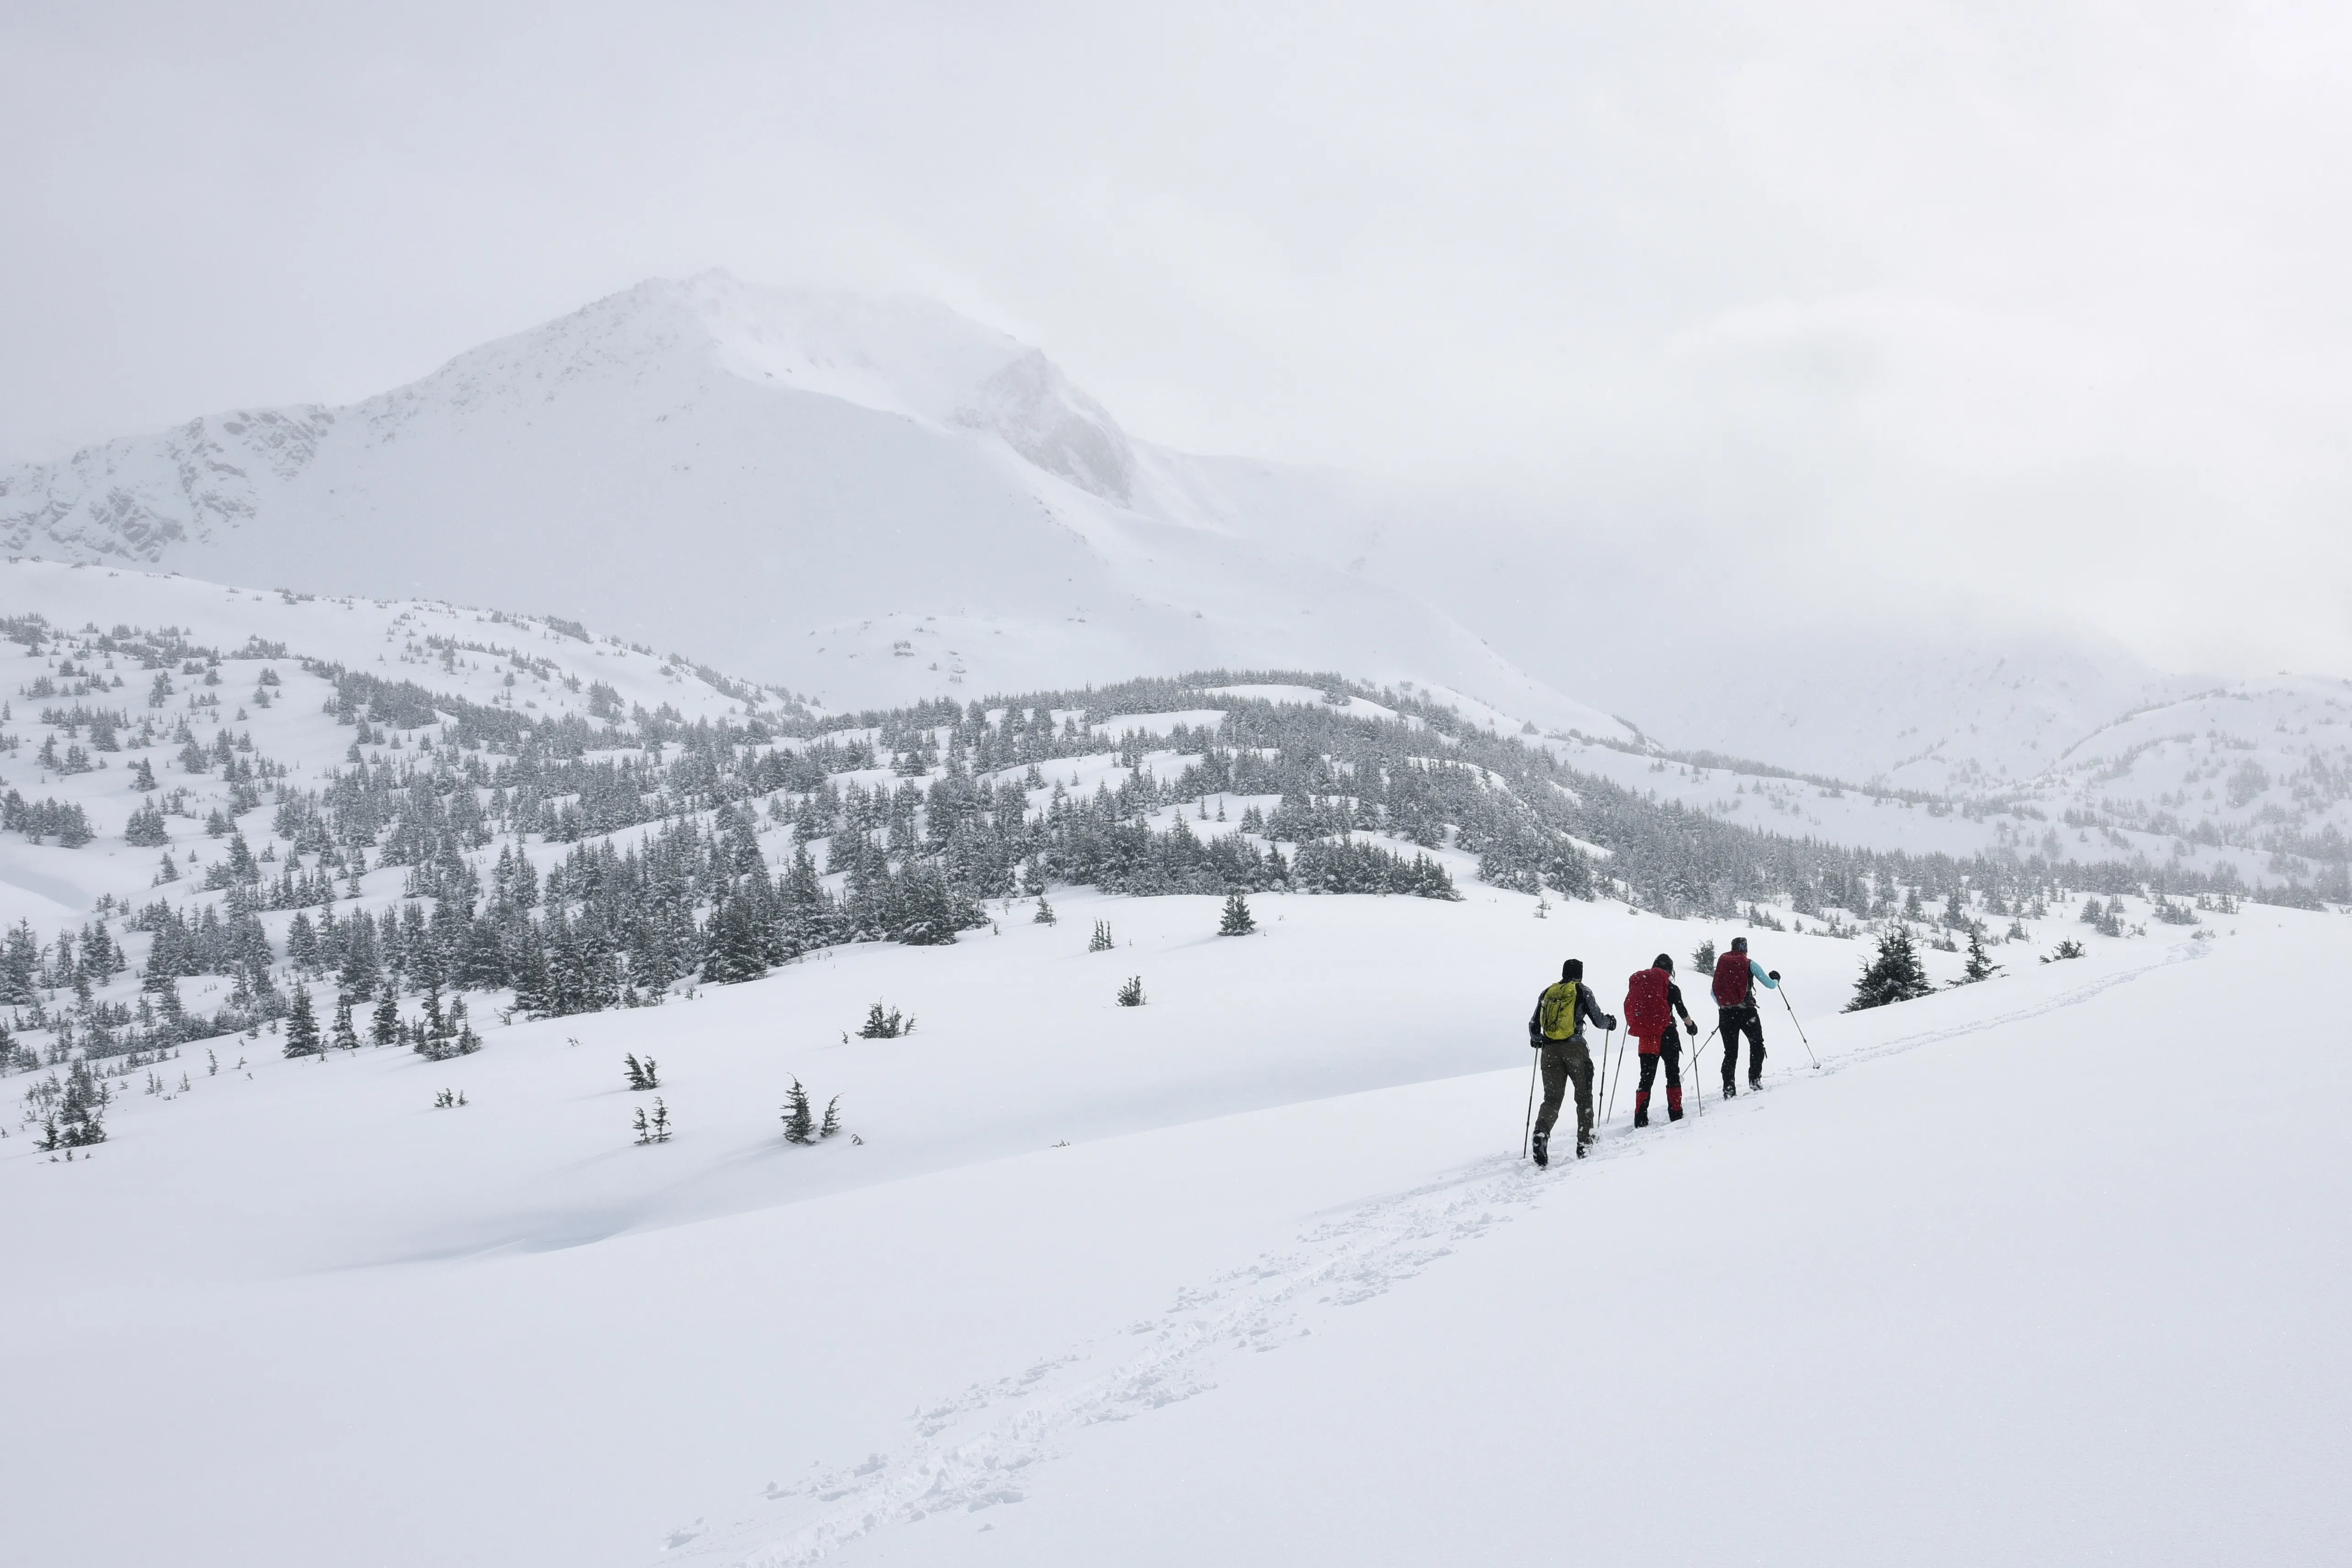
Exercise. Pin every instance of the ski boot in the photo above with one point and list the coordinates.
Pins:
(1730, 1089)
(1543, 1150)
(1674, 1104)
(1640, 1110)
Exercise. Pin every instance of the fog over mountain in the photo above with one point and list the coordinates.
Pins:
(866, 499)
(876, 500)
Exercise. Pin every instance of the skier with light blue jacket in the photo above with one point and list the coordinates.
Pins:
(1736, 976)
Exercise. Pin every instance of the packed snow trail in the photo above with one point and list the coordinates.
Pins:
(980, 1448)
(971, 1450)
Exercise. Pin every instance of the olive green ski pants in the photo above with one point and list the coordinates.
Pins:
(1566, 1061)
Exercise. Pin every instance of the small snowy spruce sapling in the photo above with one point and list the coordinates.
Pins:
(881, 1025)
(1238, 921)
(832, 1122)
(1895, 974)
(346, 1037)
(800, 1124)
(1131, 994)
(1100, 942)
(2069, 948)
(1980, 966)
(1703, 957)
(1044, 916)
(467, 1040)
(646, 1075)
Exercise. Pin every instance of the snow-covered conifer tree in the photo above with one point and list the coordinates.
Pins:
(1980, 966)
(800, 1122)
(301, 1025)
(1895, 974)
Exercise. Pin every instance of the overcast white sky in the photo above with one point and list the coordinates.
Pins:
(2049, 299)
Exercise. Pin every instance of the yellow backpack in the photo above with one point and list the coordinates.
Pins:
(1559, 1011)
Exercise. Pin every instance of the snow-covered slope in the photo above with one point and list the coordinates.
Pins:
(2262, 769)
(1249, 1272)
(1924, 705)
(872, 501)
(1248, 1275)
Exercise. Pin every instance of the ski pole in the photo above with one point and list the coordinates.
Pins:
(1618, 1074)
(1696, 1077)
(1527, 1137)
(1801, 1032)
(1601, 1083)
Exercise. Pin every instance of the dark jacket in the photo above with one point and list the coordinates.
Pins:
(1587, 1011)
(1674, 1002)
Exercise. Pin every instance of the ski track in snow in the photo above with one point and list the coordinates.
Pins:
(2187, 952)
(971, 1450)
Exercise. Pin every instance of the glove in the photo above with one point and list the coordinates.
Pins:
(1609, 1023)
(1776, 974)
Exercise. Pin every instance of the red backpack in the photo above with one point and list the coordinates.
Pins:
(1647, 1013)
(1731, 981)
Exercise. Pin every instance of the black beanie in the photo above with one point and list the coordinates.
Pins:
(1573, 970)
(1663, 961)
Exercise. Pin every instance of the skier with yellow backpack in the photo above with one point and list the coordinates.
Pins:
(1556, 1029)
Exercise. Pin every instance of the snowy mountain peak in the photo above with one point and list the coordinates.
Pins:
(913, 356)
(899, 355)
(874, 498)
(653, 349)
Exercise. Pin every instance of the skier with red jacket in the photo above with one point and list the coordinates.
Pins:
(1653, 1002)
(1736, 976)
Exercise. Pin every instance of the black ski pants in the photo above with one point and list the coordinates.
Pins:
(1735, 1022)
(1566, 1061)
(1669, 1051)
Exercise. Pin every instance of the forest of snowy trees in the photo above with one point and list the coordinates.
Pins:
(711, 852)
